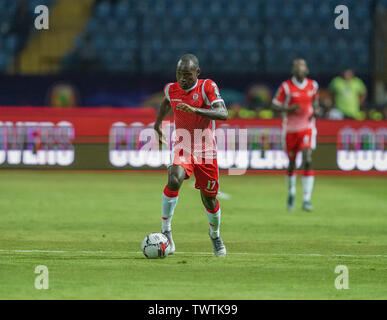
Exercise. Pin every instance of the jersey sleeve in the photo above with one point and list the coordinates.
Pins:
(279, 97)
(210, 92)
(166, 91)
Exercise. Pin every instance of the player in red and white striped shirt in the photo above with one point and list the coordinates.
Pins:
(297, 99)
(196, 104)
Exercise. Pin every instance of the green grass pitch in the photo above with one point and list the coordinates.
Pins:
(87, 229)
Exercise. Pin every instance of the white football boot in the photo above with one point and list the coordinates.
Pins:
(219, 247)
(172, 248)
(307, 206)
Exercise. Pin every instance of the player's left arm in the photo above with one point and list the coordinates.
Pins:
(315, 101)
(218, 110)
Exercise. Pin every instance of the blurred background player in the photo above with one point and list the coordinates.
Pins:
(196, 104)
(297, 99)
(349, 93)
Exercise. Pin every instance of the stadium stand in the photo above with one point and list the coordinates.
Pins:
(232, 36)
(8, 39)
(240, 36)
(16, 26)
(255, 40)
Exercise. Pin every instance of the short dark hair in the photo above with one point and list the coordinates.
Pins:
(188, 57)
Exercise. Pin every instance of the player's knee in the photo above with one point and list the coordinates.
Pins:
(210, 202)
(308, 165)
(174, 182)
(307, 161)
(292, 165)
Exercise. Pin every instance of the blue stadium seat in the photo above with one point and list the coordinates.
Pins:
(186, 26)
(122, 10)
(112, 26)
(247, 32)
(3, 61)
(177, 10)
(230, 43)
(103, 10)
(92, 25)
(212, 43)
(11, 43)
(197, 10)
(247, 44)
(271, 11)
(251, 9)
(232, 10)
(101, 43)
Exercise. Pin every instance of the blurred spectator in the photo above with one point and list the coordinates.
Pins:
(258, 100)
(233, 110)
(349, 93)
(327, 108)
(258, 96)
(375, 114)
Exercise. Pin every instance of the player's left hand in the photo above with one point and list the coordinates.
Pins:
(185, 108)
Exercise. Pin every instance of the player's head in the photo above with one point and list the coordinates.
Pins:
(187, 71)
(300, 68)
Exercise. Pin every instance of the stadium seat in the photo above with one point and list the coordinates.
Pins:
(3, 61)
(11, 43)
(103, 10)
(251, 32)
(122, 10)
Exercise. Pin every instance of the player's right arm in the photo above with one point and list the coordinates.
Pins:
(165, 107)
(279, 101)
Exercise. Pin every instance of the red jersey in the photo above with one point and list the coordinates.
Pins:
(200, 138)
(291, 92)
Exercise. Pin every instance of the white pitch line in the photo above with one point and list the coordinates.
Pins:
(200, 253)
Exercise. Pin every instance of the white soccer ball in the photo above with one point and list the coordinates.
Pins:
(155, 246)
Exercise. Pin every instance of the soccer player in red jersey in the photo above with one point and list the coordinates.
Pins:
(297, 99)
(196, 104)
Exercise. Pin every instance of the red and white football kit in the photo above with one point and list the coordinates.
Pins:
(194, 146)
(299, 127)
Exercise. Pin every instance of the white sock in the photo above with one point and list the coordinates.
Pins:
(168, 208)
(291, 180)
(214, 220)
(307, 185)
